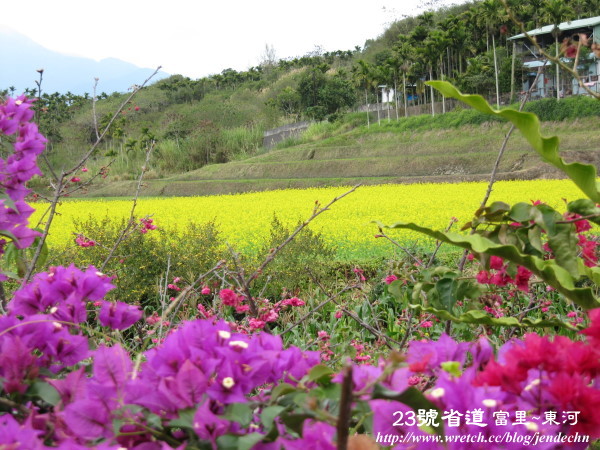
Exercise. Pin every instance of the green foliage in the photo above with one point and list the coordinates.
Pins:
(142, 260)
(567, 108)
(322, 95)
(521, 245)
(289, 270)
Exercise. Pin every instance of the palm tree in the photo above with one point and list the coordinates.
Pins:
(492, 9)
(363, 75)
(430, 53)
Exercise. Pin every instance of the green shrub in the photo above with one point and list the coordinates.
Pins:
(548, 109)
(141, 260)
(288, 271)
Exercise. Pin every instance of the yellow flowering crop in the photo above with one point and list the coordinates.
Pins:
(244, 219)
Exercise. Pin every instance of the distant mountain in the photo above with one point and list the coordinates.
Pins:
(20, 57)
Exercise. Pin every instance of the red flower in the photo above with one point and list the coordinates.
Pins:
(593, 331)
(522, 279)
(496, 262)
(229, 298)
(390, 279)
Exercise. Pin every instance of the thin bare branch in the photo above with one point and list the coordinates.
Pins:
(94, 115)
(130, 224)
(317, 211)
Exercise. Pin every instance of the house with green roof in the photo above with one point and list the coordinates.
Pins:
(567, 35)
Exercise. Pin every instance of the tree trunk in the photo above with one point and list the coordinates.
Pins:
(431, 92)
(512, 72)
(396, 95)
(557, 71)
(378, 104)
(387, 94)
(368, 108)
(405, 98)
(442, 77)
(496, 73)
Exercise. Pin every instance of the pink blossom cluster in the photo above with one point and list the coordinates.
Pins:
(83, 241)
(498, 275)
(268, 312)
(19, 167)
(146, 225)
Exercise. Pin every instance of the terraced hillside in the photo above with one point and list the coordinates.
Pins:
(379, 155)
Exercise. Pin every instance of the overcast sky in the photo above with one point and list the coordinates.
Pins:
(198, 38)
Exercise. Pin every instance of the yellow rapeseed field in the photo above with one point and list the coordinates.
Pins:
(244, 219)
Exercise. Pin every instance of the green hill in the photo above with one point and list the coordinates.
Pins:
(381, 154)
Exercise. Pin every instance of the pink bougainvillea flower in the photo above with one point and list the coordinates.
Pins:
(83, 241)
(390, 279)
(230, 298)
(256, 324)
(496, 262)
(119, 315)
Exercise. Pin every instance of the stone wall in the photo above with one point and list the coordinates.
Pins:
(276, 135)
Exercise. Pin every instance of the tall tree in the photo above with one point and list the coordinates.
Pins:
(362, 74)
(493, 12)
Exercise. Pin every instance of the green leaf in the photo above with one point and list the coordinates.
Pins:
(268, 415)
(494, 212)
(154, 420)
(227, 442)
(44, 250)
(8, 234)
(547, 270)
(7, 201)
(395, 288)
(248, 441)
(585, 207)
(534, 235)
(446, 288)
(468, 289)
(281, 389)
(320, 373)
(411, 397)
(240, 413)
(583, 175)
(295, 421)
(564, 246)
(520, 212)
(116, 425)
(185, 419)
(45, 391)
(479, 317)
(546, 217)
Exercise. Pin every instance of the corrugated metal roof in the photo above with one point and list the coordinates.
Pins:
(581, 23)
(532, 64)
